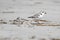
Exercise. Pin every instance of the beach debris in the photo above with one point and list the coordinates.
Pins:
(16, 21)
(55, 39)
(3, 22)
(21, 21)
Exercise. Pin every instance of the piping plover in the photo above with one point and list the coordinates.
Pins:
(38, 15)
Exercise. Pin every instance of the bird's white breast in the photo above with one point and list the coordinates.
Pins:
(40, 16)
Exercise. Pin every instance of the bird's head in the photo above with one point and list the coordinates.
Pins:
(43, 12)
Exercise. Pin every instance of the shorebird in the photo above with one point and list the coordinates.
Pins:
(38, 15)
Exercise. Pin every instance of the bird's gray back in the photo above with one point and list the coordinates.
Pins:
(36, 15)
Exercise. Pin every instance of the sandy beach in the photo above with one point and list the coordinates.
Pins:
(49, 29)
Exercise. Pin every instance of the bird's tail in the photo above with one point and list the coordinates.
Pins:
(31, 17)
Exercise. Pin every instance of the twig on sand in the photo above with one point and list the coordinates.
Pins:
(2, 22)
